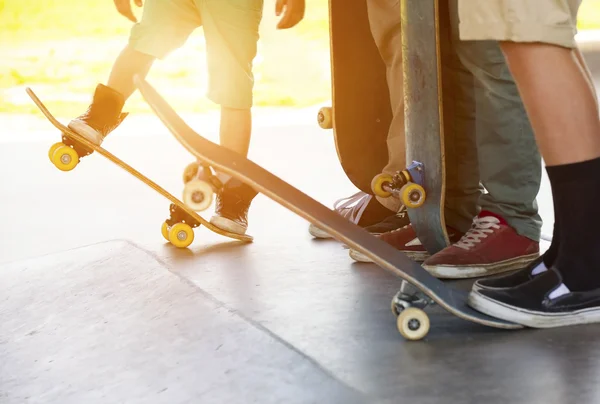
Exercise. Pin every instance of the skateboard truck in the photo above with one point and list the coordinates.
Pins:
(406, 184)
(200, 186)
(408, 307)
(177, 229)
(66, 155)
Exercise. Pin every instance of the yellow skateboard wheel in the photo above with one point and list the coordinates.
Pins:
(165, 231)
(412, 195)
(378, 182)
(53, 149)
(413, 323)
(181, 235)
(65, 158)
(325, 118)
(190, 172)
(198, 195)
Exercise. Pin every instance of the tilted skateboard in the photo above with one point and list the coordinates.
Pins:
(413, 322)
(421, 186)
(361, 112)
(177, 229)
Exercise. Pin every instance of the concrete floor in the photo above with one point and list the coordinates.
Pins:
(95, 307)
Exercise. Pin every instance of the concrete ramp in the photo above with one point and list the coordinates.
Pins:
(109, 323)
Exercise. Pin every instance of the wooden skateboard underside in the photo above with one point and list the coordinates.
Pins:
(67, 132)
(422, 21)
(361, 105)
(293, 199)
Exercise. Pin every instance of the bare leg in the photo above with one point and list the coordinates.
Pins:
(559, 101)
(129, 63)
(562, 107)
(236, 128)
(588, 74)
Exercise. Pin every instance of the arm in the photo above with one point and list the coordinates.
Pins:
(293, 12)
(124, 8)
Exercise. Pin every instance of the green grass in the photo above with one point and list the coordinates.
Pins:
(63, 48)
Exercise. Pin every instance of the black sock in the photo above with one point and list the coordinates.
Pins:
(550, 255)
(576, 187)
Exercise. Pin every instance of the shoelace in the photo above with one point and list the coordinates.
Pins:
(482, 226)
(353, 206)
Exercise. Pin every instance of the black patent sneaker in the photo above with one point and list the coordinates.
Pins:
(543, 302)
(102, 116)
(233, 202)
(517, 278)
(392, 222)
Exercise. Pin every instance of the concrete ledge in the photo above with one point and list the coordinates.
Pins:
(109, 323)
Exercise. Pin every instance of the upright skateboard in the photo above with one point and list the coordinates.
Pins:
(413, 322)
(361, 112)
(422, 185)
(177, 229)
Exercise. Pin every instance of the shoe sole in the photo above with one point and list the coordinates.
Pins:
(317, 232)
(529, 318)
(415, 256)
(83, 129)
(228, 225)
(477, 271)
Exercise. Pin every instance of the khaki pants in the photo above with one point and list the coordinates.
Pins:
(547, 21)
(384, 19)
(231, 31)
(488, 135)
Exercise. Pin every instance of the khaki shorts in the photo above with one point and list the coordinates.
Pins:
(547, 21)
(231, 30)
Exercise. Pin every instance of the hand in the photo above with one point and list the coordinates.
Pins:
(293, 14)
(124, 8)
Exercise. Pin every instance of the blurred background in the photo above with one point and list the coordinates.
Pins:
(63, 48)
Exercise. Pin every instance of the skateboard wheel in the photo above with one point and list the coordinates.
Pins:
(198, 195)
(190, 172)
(53, 149)
(65, 158)
(181, 235)
(165, 231)
(412, 195)
(325, 118)
(378, 182)
(413, 323)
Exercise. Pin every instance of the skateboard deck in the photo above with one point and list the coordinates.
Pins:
(384, 255)
(177, 229)
(361, 112)
(422, 22)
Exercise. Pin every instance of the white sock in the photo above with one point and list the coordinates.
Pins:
(539, 269)
(562, 289)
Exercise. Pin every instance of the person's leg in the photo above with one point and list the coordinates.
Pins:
(462, 176)
(231, 30)
(165, 26)
(562, 109)
(384, 21)
(360, 208)
(505, 235)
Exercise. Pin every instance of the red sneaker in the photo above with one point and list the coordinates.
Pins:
(491, 246)
(405, 240)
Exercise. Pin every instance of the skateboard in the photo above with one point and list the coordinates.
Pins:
(361, 112)
(177, 229)
(422, 288)
(421, 186)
